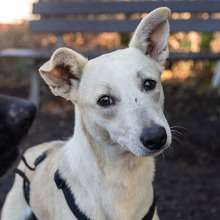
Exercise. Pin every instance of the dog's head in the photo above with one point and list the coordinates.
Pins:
(119, 94)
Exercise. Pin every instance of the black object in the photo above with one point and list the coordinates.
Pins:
(61, 184)
(26, 182)
(16, 117)
(150, 214)
(26, 185)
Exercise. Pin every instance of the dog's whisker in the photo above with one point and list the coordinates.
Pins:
(163, 155)
(172, 147)
(176, 132)
(179, 127)
(177, 139)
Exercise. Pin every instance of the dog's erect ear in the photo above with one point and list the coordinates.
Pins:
(63, 72)
(152, 35)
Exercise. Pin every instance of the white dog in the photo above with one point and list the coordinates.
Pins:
(105, 171)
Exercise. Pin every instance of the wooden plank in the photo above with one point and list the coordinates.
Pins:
(63, 8)
(174, 56)
(25, 54)
(67, 26)
(123, 26)
(195, 24)
(194, 56)
(45, 55)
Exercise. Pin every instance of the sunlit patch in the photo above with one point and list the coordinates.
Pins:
(14, 11)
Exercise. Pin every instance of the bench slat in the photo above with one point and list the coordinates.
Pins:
(173, 56)
(124, 26)
(64, 8)
(195, 24)
(193, 56)
(25, 53)
(40, 55)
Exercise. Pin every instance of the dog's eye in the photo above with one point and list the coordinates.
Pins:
(105, 101)
(149, 84)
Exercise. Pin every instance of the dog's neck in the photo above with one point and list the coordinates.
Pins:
(101, 170)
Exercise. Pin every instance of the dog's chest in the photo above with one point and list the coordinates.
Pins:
(117, 201)
(121, 190)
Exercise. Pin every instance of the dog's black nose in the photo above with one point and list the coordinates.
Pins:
(154, 137)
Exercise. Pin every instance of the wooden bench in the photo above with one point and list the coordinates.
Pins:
(72, 17)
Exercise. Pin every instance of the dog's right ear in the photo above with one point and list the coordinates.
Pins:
(63, 72)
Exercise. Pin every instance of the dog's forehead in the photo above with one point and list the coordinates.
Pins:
(120, 65)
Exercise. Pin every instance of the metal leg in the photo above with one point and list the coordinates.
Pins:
(34, 95)
(215, 83)
(59, 42)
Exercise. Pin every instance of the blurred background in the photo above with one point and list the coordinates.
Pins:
(187, 180)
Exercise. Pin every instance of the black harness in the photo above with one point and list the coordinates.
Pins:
(26, 182)
(61, 184)
(69, 197)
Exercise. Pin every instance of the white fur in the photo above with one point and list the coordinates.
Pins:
(105, 164)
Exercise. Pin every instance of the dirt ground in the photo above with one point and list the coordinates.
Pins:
(187, 181)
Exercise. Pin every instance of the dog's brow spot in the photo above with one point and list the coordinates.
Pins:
(136, 100)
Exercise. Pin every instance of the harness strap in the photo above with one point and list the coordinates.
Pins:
(61, 184)
(36, 162)
(26, 185)
(26, 189)
(40, 159)
(26, 182)
(150, 214)
(25, 162)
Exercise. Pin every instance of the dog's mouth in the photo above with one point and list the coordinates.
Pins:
(141, 151)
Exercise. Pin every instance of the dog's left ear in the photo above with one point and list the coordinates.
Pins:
(63, 73)
(152, 35)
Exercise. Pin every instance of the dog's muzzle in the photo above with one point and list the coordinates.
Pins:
(154, 137)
